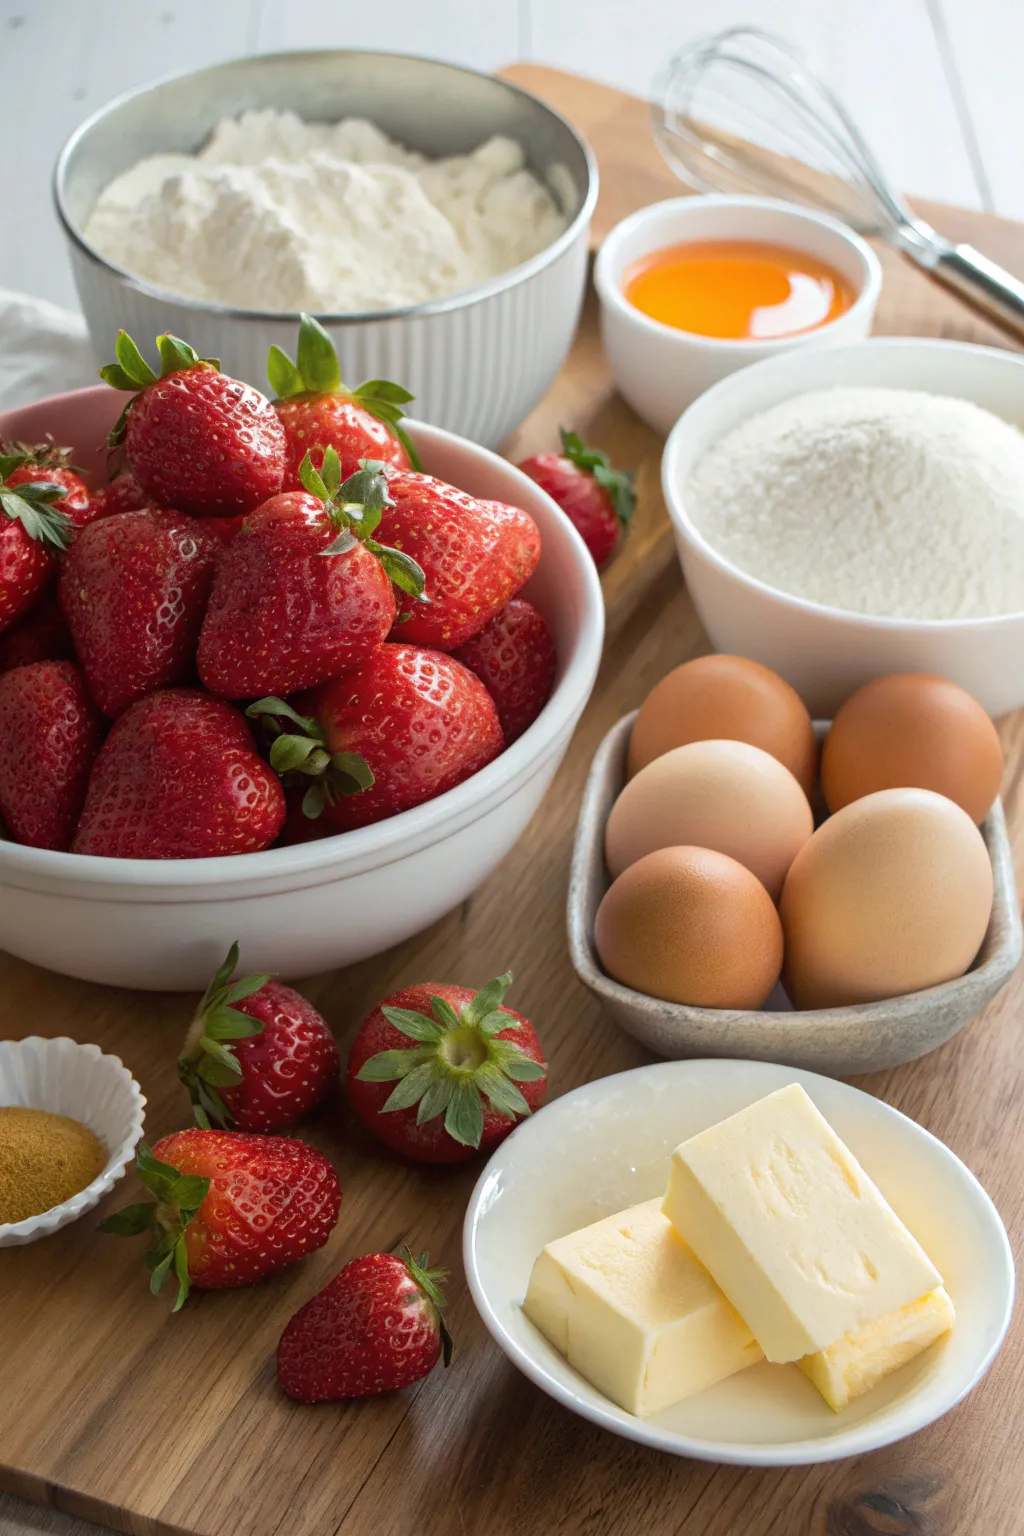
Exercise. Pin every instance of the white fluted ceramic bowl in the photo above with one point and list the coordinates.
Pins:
(477, 362)
(166, 924)
(85, 1084)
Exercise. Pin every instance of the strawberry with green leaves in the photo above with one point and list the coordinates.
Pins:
(318, 412)
(45, 463)
(33, 529)
(404, 727)
(258, 1055)
(377, 1327)
(195, 439)
(598, 499)
(228, 1208)
(440, 1073)
(303, 592)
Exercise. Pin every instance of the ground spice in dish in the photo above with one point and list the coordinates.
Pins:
(44, 1160)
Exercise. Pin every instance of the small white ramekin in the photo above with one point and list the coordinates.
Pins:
(79, 1081)
(659, 369)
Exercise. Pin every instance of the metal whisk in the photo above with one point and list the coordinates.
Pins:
(743, 111)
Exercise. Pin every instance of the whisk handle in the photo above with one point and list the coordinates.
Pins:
(983, 283)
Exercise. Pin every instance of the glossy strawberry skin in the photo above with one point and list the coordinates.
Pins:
(397, 1129)
(41, 635)
(588, 506)
(123, 494)
(283, 615)
(288, 1069)
(205, 443)
(78, 503)
(25, 571)
(50, 732)
(419, 718)
(179, 778)
(133, 589)
(475, 556)
(514, 657)
(313, 422)
(370, 1330)
(272, 1200)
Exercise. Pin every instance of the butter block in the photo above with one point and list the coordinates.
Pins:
(859, 1361)
(631, 1308)
(794, 1232)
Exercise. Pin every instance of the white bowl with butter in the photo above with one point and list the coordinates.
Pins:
(612, 1142)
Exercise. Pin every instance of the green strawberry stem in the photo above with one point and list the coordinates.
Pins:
(617, 482)
(430, 1282)
(178, 1196)
(456, 1063)
(34, 505)
(355, 507)
(38, 454)
(132, 372)
(208, 1060)
(299, 755)
(316, 371)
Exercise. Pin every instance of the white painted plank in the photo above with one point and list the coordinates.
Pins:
(987, 43)
(61, 60)
(880, 55)
(460, 31)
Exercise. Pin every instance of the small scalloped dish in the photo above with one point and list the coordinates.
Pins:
(79, 1081)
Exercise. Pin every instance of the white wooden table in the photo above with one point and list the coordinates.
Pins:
(934, 83)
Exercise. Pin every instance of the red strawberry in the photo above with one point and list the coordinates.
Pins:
(44, 463)
(475, 555)
(378, 1326)
(597, 499)
(123, 494)
(258, 1055)
(223, 529)
(50, 733)
(318, 412)
(33, 528)
(428, 1057)
(195, 438)
(230, 1208)
(514, 657)
(178, 778)
(303, 592)
(403, 728)
(41, 635)
(133, 589)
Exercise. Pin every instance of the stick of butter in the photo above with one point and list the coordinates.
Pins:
(629, 1306)
(798, 1237)
(859, 1361)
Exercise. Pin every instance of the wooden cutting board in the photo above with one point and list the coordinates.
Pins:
(111, 1408)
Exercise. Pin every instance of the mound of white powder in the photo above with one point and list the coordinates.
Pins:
(883, 501)
(278, 214)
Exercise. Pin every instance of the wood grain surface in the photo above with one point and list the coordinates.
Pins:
(113, 1410)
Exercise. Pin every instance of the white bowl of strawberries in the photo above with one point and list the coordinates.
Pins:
(240, 685)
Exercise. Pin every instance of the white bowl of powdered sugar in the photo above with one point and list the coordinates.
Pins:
(433, 218)
(860, 511)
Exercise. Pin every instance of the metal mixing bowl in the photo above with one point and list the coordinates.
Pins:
(478, 361)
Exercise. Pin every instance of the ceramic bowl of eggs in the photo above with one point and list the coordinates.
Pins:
(748, 882)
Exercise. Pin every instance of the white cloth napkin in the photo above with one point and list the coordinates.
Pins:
(44, 350)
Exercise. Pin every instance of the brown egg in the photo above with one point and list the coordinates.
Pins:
(725, 795)
(691, 926)
(891, 894)
(910, 730)
(726, 698)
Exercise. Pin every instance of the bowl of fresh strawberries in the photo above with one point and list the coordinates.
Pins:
(295, 670)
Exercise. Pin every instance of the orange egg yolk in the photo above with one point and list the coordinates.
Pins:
(736, 290)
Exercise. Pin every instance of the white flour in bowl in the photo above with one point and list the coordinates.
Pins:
(891, 502)
(278, 214)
